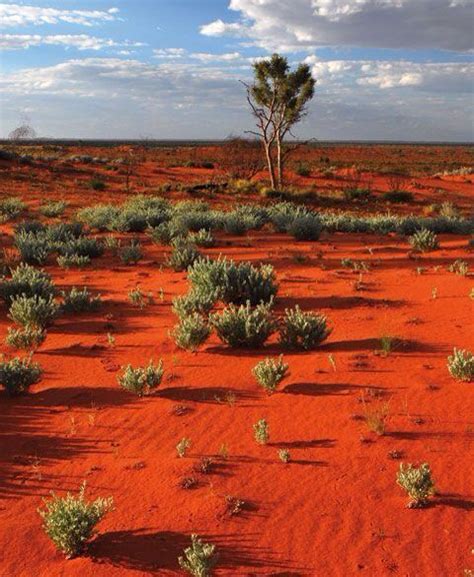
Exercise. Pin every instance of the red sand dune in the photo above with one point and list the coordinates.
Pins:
(335, 509)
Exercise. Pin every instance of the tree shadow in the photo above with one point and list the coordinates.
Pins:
(82, 397)
(212, 395)
(310, 444)
(139, 549)
(320, 389)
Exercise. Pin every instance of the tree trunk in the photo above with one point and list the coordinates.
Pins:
(279, 163)
(271, 168)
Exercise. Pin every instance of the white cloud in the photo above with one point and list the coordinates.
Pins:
(303, 24)
(170, 53)
(24, 15)
(79, 41)
(205, 57)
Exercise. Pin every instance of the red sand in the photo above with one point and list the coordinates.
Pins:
(335, 509)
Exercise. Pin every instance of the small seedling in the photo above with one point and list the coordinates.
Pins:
(284, 455)
(461, 365)
(376, 418)
(183, 446)
(137, 297)
(332, 362)
(261, 433)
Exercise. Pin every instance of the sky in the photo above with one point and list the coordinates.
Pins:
(171, 69)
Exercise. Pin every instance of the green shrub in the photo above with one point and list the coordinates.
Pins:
(97, 184)
(70, 521)
(233, 283)
(193, 302)
(199, 559)
(29, 338)
(424, 240)
(261, 432)
(459, 267)
(237, 224)
(357, 194)
(80, 301)
(270, 372)
(282, 214)
(81, 246)
(26, 280)
(307, 227)
(34, 248)
(99, 216)
(183, 255)
(73, 261)
(398, 196)
(17, 375)
(166, 232)
(303, 169)
(182, 446)
(35, 311)
(191, 331)
(53, 209)
(10, 208)
(202, 238)
(137, 297)
(284, 455)
(303, 330)
(132, 253)
(244, 326)
(141, 380)
(417, 482)
(461, 365)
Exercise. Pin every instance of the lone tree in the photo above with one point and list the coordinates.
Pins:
(278, 98)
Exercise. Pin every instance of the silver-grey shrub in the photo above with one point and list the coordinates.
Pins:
(244, 325)
(303, 330)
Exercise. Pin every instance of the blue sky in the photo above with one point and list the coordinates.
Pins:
(386, 69)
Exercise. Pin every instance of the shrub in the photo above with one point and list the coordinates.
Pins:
(28, 338)
(233, 283)
(237, 224)
(10, 208)
(261, 432)
(461, 365)
(199, 559)
(303, 330)
(354, 193)
(132, 253)
(141, 380)
(99, 216)
(53, 209)
(35, 311)
(282, 214)
(307, 227)
(398, 196)
(81, 246)
(184, 254)
(376, 418)
(34, 226)
(424, 240)
(270, 372)
(191, 331)
(244, 326)
(34, 248)
(303, 169)
(417, 482)
(73, 261)
(28, 281)
(137, 298)
(80, 301)
(17, 375)
(166, 232)
(70, 521)
(202, 238)
(193, 302)
(459, 267)
(97, 184)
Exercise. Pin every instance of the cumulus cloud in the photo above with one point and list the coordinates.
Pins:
(24, 15)
(79, 41)
(304, 24)
(186, 99)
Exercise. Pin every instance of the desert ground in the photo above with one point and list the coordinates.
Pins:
(396, 314)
